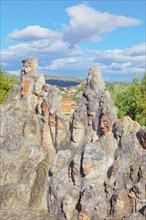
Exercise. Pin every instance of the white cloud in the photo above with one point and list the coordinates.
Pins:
(74, 63)
(33, 33)
(87, 24)
(58, 51)
(115, 61)
(45, 51)
(57, 56)
(133, 54)
(136, 50)
(129, 60)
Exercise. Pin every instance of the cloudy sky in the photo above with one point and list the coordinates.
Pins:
(68, 37)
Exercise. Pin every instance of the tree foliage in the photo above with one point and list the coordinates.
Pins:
(131, 99)
(7, 82)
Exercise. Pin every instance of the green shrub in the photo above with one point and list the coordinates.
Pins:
(131, 99)
(7, 82)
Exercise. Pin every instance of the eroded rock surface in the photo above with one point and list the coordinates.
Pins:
(101, 172)
(91, 168)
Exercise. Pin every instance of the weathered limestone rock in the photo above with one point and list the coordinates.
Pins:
(31, 82)
(26, 144)
(90, 169)
(106, 164)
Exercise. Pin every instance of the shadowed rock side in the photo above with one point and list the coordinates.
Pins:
(91, 168)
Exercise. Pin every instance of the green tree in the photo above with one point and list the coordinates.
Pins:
(131, 99)
(6, 84)
(143, 100)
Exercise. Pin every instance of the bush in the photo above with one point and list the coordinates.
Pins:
(131, 99)
(6, 84)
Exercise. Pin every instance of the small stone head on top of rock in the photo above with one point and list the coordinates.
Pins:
(29, 66)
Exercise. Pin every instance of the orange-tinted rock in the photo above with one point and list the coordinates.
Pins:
(45, 109)
(66, 105)
(66, 109)
(83, 216)
(26, 87)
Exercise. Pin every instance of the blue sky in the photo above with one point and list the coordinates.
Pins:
(69, 37)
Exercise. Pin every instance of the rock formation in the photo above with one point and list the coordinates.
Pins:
(91, 168)
(28, 133)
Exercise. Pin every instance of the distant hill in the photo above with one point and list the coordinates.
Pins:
(65, 81)
(64, 78)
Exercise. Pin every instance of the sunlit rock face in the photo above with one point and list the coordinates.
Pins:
(101, 168)
(91, 168)
(27, 140)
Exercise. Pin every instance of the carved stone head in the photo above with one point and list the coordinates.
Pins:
(78, 131)
(91, 73)
(105, 124)
(94, 80)
(45, 108)
(29, 66)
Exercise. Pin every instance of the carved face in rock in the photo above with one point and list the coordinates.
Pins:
(78, 131)
(61, 131)
(105, 124)
(91, 73)
(45, 108)
(45, 88)
(29, 66)
(87, 167)
(90, 120)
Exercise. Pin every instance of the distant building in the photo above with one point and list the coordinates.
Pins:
(68, 106)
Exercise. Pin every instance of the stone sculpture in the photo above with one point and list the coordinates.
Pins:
(90, 168)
